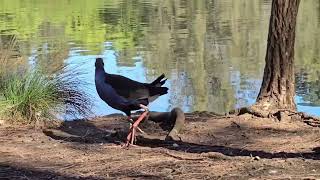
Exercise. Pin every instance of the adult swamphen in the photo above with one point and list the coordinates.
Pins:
(127, 95)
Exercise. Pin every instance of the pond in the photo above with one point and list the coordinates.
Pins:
(211, 51)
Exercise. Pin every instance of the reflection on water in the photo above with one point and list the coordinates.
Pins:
(212, 51)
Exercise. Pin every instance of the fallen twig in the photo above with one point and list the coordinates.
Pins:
(180, 157)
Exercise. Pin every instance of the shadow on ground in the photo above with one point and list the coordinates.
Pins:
(109, 129)
(90, 134)
(14, 172)
(228, 151)
(115, 131)
(81, 132)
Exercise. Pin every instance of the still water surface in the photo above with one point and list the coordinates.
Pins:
(211, 51)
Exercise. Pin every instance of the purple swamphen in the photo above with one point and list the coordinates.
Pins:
(127, 95)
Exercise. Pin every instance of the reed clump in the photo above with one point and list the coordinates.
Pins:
(29, 95)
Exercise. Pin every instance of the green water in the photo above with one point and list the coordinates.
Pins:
(211, 51)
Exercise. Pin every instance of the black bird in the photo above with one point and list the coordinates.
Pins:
(127, 95)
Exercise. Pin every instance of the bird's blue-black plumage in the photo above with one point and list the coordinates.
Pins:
(125, 94)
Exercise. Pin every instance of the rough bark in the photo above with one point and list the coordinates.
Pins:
(277, 89)
(276, 96)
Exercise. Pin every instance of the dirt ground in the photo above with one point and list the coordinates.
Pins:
(240, 147)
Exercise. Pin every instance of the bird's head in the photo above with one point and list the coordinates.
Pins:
(99, 63)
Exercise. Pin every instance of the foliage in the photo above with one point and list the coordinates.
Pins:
(29, 95)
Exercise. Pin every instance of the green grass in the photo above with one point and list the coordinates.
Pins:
(33, 96)
(30, 95)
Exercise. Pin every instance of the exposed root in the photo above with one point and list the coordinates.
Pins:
(310, 120)
(250, 110)
(280, 114)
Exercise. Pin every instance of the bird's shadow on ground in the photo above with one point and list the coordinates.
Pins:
(115, 131)
(85, 132)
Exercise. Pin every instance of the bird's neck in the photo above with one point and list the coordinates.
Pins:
(100, 71)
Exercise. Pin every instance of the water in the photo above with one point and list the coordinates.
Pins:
(211, 51)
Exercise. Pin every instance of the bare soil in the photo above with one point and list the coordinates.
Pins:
(240, 147)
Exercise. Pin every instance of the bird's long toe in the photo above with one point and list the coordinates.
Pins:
(130, 138)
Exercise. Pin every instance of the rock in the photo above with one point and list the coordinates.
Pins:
(167, 171)
(257, 158)
(272, 171)
(2, 122)
(169, 177)
(175, 145)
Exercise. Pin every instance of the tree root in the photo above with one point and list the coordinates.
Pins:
(280, 114)
(308, 119)
(251, 111)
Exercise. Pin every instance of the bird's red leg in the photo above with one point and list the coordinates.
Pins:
(131, 122)
(130, 131)
(131, 135)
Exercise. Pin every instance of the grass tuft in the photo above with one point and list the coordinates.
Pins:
(33, 96)
(30, 95)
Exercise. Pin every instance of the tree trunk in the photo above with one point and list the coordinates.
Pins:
(277, 89)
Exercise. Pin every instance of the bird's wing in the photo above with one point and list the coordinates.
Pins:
(116, 101)
(127, 88)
